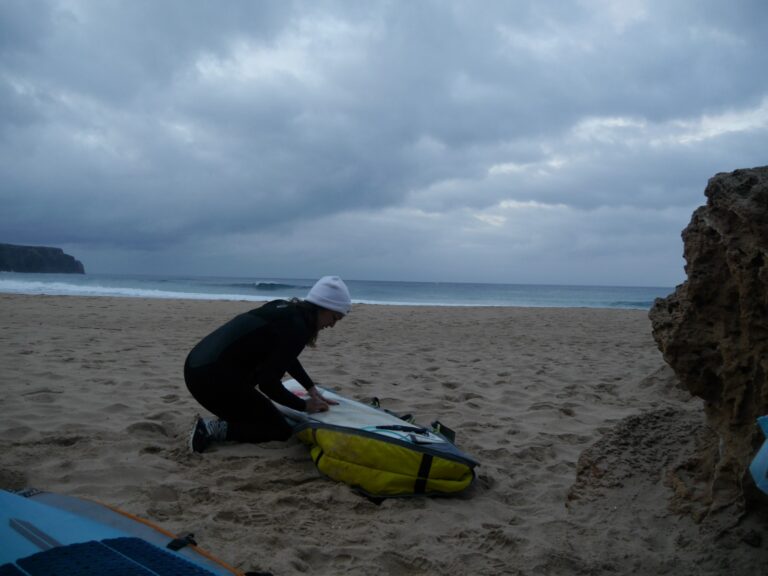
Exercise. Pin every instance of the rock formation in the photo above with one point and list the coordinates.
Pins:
(15, 258)
(713, 331)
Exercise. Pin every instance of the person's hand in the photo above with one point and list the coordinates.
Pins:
(315, 404)
(315, 393)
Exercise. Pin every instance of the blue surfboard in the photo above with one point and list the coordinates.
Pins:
(759, 466)
(49, 534)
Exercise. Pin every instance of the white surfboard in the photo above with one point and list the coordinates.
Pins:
(378, 452)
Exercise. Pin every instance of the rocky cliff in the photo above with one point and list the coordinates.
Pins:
(15, 258)
(713, 332)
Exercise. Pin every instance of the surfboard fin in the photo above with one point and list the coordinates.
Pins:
(178, 543)
(441, 428)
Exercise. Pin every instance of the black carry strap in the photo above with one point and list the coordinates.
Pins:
(420, 485)
(181, 541)
(320, 452)
(401, 428)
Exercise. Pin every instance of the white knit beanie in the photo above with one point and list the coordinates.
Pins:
(331, 293)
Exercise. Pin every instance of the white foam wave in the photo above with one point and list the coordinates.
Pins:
(66, 289)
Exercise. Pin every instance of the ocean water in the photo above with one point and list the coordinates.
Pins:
(363, 291)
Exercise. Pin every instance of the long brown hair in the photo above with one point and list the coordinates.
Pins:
(309, 311)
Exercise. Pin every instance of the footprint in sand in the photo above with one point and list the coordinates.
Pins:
(116, 408)
(163, 494)
(147, 428)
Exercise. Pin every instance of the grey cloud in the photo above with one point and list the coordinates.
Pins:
(157, 128)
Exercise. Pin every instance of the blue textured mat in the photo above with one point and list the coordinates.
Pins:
(115, 557)
(10, 570)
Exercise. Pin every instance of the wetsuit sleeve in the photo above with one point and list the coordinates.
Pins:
(277, 392)
(287, 337)
(270, 380)
(297, 372)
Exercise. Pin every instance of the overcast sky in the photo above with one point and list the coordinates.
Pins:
(498, 141)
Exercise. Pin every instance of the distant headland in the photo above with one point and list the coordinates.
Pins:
(15, 258)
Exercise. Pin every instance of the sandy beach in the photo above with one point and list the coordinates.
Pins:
(579, 427)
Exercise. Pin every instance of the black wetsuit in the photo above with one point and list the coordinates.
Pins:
(253, 349)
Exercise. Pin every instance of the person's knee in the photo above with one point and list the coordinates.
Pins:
(284, 434)
(280, 430)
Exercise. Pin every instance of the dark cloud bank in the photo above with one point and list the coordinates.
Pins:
(524, 142)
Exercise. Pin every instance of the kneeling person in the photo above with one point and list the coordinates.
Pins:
(237, 370)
